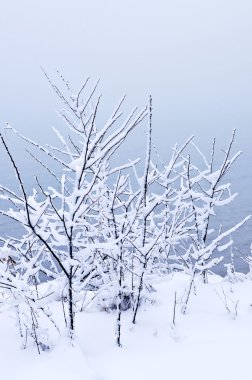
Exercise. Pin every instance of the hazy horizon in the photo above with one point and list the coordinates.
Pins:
(194, 58)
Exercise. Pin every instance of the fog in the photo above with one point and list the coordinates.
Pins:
(193, 56)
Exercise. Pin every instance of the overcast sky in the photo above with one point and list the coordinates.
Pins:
(193, 56)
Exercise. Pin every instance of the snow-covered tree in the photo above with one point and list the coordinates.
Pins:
(206, 192)
(62, 219)
(101, 227)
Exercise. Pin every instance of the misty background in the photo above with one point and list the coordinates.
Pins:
(193, 56)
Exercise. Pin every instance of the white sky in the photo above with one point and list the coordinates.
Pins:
(194, 56)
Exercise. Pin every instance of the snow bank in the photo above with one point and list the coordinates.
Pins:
(212, 341)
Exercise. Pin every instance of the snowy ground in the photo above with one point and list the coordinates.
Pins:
(209, 342)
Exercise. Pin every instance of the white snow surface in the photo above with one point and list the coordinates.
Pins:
(209, 342)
